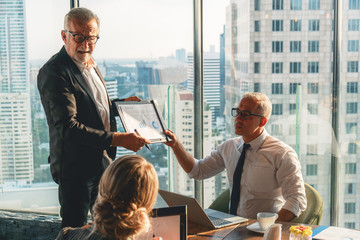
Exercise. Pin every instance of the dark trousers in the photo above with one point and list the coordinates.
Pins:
(77, 197)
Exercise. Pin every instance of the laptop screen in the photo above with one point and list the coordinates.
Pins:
(169, 223)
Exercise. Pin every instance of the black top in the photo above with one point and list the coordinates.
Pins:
(84, 233)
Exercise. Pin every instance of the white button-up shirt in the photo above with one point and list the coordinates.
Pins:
(98, 90)
(271, 177)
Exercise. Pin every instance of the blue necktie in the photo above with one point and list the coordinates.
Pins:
(235, 193)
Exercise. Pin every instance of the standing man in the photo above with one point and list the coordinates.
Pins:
(264, 173)
(80, 116)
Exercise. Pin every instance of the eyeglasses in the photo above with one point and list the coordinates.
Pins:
(245, 115)
(79, 38)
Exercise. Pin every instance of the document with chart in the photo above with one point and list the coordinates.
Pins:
(143, 117)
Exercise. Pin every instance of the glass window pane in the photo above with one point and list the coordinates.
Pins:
(25, 180)
(141, 54)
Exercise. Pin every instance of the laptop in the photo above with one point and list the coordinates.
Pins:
(169, 223)
(208, 217)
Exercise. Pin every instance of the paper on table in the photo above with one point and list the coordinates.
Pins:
(337, 233)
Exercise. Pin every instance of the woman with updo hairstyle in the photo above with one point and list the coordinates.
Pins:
(127, 193)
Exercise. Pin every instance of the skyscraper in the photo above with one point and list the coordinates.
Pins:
(211, 69)
(16, 158)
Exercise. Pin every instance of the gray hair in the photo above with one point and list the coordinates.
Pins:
(80, 14)
(264, 103)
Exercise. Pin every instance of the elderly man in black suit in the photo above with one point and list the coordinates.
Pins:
(80, 116)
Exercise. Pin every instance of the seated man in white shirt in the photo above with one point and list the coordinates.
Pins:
(270, 178)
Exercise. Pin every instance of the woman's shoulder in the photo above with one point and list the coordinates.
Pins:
(85, 232)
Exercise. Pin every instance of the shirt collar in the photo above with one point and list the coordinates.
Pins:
(257, 142)
(90, 64)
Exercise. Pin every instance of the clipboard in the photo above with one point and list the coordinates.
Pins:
(144, 117)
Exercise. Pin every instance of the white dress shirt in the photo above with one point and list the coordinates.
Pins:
(271, 177)
(98, 90)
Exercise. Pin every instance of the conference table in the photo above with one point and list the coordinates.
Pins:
(237, 232)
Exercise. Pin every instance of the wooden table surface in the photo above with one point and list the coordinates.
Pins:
(237, 232)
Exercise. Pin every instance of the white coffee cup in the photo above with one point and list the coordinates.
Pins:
(265, 219)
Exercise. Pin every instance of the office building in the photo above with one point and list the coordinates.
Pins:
(284, 49)
(184, 128)
(16, 156)
(212, 87)
(16, 139)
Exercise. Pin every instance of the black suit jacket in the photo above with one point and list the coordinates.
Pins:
(77, 135)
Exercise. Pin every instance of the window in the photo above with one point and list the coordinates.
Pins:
(292, 108)
(277, 109)
(352, 66)
(351, 107)
(314, 4)
(353, 24)
(295, 67)
(351, 87)
(354, 4)
(349, 225)
(277, 88)
(277, 46)
(295, 46)
(314, 25)
(296, 4)
(256, 67)
(352, 148)
(311, 149)
(350, 208)
(312, 129)
(292, 130)
(277, 25)
(295, 25)
(312, 108)
(257, 26)
(256, 46)
(313, 67)
(353, 45)
(350, 168)
(311, 169)
(293, 87)
(313, 46)
(256, 87)
(257, 4)
(350, 188)
(276, 129)
(313, 88)
(277, 67)
(351, 127)
(278, 5)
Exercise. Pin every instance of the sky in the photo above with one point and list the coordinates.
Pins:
(128, 28)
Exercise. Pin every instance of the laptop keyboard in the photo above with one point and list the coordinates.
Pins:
(218, 221)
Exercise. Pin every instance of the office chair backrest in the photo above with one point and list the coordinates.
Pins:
(311, 215)
(221, 203)
(314, 209)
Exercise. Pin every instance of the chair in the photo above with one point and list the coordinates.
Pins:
(314, 208)
(311, 215)
(221, 203)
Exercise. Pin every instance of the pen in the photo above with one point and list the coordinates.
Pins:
(146, 145)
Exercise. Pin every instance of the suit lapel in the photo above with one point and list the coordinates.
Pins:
(78, 77)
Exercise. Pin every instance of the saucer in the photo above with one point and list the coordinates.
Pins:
(255, 228)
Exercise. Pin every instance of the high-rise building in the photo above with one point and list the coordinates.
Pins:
(184, 128)
(181, 55)
(211, 71)
(16, 155)
(284, 49)
(16, 161)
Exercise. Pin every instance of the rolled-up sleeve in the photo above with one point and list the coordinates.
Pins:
(292, 184)
(209, 166)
